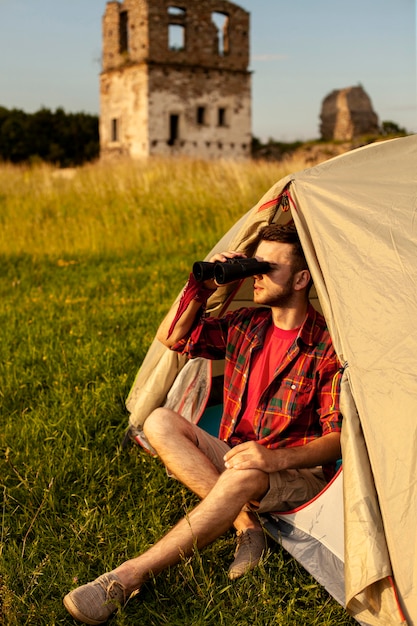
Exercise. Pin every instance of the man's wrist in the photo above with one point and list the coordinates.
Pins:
(198, 291)
(193, 290)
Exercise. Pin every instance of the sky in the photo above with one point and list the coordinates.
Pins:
(301, 50)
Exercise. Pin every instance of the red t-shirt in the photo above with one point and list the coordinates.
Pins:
(264, 363)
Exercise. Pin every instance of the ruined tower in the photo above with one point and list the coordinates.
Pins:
(175, 79)
(346, 114)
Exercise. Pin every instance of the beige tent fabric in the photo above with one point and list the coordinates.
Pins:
(369, 591)
(357, 219)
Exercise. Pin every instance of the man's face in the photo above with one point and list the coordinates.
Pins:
(277, 287)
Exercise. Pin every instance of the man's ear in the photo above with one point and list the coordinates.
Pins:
(301, 280)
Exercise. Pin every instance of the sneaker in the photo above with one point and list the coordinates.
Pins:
(250, 547)
(95, 602)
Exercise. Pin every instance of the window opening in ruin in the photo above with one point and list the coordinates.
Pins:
(221, 21)
(174, 124)
(124, 32)
(176, 11)
(201, 116)
(176, 37)
(221, 121)
(176, 28)
(114, 129)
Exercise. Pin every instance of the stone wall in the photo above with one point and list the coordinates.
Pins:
(214, 120)
(124, 112)
(346, 114)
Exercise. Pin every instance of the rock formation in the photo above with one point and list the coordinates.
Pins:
(346, 114)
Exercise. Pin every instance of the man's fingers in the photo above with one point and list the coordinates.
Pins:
(224, 256)
(236, 450)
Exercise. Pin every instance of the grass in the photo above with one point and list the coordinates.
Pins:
(89, 265)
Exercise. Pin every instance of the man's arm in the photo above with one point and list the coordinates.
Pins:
(176, 326)
(182, 325)
(252, 455)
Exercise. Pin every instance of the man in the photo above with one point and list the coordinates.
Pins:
(280, 431)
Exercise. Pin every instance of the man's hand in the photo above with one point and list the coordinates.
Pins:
(251, 455)
(222, 257)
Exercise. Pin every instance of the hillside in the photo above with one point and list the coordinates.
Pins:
(311, 152)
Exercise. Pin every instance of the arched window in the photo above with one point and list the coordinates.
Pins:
(176, 28)
(221, 21)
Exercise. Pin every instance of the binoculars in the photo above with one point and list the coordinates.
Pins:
(229, 271)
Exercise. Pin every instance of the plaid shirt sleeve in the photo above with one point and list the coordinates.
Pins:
(207, 339)
(328, 392)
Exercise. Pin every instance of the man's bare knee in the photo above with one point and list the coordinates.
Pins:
(163, 423)
(248, 484)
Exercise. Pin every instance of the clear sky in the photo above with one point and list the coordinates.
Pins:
(301, 50)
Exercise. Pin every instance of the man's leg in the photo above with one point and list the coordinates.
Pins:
(210, 519)
(175, 440)
(95, 602)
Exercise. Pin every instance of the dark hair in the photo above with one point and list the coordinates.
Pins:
(285, 234)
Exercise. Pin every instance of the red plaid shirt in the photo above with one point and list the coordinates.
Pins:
(300, 404)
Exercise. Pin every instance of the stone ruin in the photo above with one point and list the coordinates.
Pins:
(175, 79)
(347, 114)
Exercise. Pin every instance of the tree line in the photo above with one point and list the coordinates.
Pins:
(71, 139)
(64, 139)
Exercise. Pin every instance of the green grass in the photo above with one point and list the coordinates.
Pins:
(88, 267)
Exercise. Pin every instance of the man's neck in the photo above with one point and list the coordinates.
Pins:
(290, 317)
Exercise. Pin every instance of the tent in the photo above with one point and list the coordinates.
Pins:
(356, 215)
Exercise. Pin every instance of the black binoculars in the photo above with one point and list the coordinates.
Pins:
(229, 271)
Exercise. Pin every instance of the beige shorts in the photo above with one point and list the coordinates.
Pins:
(288, 489)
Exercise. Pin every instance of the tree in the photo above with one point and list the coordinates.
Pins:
(391, 128)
